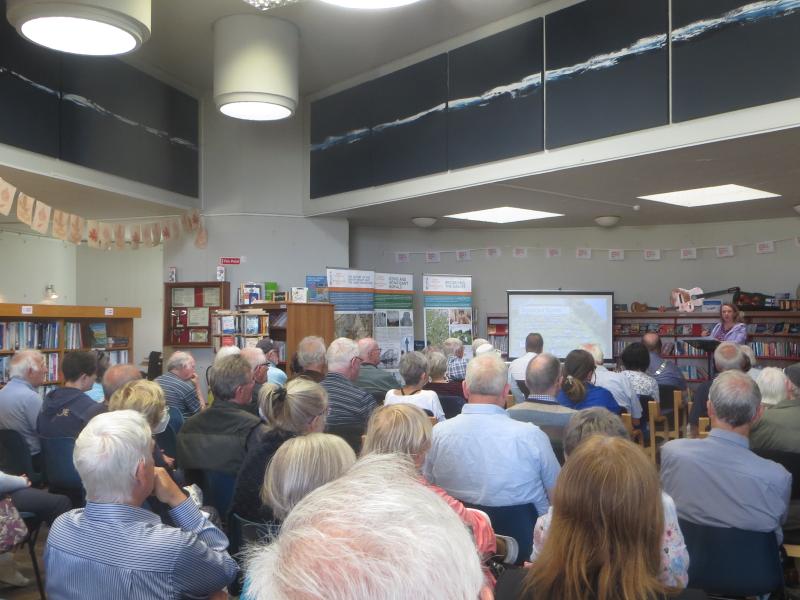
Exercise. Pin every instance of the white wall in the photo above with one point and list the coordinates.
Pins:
(632, 279)
(30, 262)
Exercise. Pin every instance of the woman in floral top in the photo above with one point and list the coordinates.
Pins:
(636, 359)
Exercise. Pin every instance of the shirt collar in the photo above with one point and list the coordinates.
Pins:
(24, 382)
(542, 399)
(101, 511)
(483, 409)
(730, 437)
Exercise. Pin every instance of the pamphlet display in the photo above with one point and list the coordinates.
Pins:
(394, 317)
(352, 293)
(448, 309)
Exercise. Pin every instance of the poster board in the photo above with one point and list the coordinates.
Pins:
(394, 317)
(448, 309)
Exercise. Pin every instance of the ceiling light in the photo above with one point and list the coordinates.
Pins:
(718, 194)
(424, 222)
(50, 292)
(92, 27)
(370, 4)
(504, 214)
(268, 4)
(256, 67)
(607, 221)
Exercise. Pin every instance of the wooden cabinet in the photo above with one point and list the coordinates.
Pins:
(188, 307)
(497, 332)
(290, 322)
(55, 329)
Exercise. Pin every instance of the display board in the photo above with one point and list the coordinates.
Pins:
(394, 316)
(448, 309)
(565, 319)
(352, 293)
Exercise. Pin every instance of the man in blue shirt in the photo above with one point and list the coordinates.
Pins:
(483, 456)
(664, 371)
(20, 401)
(115, 549)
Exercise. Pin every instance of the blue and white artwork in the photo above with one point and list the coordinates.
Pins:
(495, 107)
(731, 54)
(606, 70)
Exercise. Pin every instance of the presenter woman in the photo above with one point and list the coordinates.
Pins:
(730, 327)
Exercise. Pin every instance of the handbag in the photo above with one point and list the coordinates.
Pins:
(13, 530)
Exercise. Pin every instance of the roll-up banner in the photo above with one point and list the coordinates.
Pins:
(352, 293)
(394, 316)
(448, 309)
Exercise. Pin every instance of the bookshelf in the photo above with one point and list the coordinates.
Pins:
(240, 328)
(290, 322)
(188, 307)
(55, 329)
(497, 332)
(774, 336)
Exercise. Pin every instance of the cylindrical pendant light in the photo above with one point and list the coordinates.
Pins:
(256, 67)
(94, 27)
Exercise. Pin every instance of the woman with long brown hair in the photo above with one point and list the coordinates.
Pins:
(577, 390)
(604, 540)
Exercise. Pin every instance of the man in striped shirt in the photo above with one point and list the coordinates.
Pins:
(115, 549)
(181, 385)
(349, 406)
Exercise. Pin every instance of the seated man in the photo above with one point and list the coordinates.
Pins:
(376, 533)
(534, 344)
(20, 401)
(727, 357)
(258, 362)
(115, 549)
(118, 375)
(181, 385)
(66, 410)
(482, 456)
(218, 438)
(311, 358)
(370, 378)
(779, 427)
(270, 349)
(348, 405)
(616, 383)
(665, 372)
(456, 363)
(718, 481)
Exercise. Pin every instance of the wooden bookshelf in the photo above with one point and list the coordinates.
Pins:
(180, 298)
(497, 332)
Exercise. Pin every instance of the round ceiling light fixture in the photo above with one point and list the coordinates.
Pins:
(424, 222)
(607, 221)
(256, 67)
(90, 27)
(370, 4)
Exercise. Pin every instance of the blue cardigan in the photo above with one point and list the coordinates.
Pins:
(595, 396)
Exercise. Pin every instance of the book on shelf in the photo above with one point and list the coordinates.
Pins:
(73, 336)
(779, 327)
(279, 319)
(117, 341)
(794, 328)
(17, 335)
(300, 295)
(317, 288)
(250, 292)
(495, 329)
(99, 335)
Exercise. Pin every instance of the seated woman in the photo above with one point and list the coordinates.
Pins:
(414, 371)
(404, 429)
(674, 556)
(577, 391)
(636, 359)
(437, 382)
(606, 534)
(297, 409)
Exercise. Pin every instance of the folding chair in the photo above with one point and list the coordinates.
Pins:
(15, 456)
(635, 434)
(34, 525)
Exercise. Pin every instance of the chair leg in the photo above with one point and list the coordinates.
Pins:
(33, 536)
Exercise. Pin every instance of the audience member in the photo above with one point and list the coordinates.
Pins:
(534, 345)
(456, 363)
(66, 410)
(437, 382)
(414, 371)
(753, 371)
(271, 350)
(375, 533)
(96, 391)
(218, 438)
(311, 358)
(260, 366)
(600, 422)
(635, 359)
(727, 357)
(300, 466)
(577, 391)
(118, 375)
(349, 406)
(370, 378)
(20, 402)
(43, 504)
(616, 383)
(606, 536)
(486, 348)
(113, 548)
(779, 427)
(297, 409)
(146, 398)
(181, 385)
(718, 481)
(663, 370)
(477, 343)
(483, 456)
(772, 383)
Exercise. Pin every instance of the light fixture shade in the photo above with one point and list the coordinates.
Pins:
(370, 4)
(256, 67)
(607, 221)
(92, 27)
(424, 222)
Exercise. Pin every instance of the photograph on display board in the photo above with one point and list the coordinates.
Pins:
(353, 325)
(443, 323)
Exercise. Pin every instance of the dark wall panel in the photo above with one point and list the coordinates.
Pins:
(724, 59)
(340, 142)
(495, 97)
(409, 122)
(607, 64)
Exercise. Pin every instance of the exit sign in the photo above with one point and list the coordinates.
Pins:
(230, 260)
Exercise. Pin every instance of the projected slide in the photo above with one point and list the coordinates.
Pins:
(565, 319)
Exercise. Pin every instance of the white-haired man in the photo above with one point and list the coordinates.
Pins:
(115, 549)
(181, 385)
(727, 357)
(718, 481)
(370, 378)
(483, 456)
(311, 358)
(456, 363)
(348, 405)
(20, 402)
(616, 383)
(779, 428)
(373, 534)
(260, 365)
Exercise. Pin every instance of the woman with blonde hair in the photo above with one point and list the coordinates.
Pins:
(606, 532)
(297, 409)
(146, 397)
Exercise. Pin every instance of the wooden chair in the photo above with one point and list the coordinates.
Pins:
(656, 419)
(703, 426)
(636, 434)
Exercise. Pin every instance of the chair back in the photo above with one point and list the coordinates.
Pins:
(515, 521)
(167, 440)
(790, 461)
(703, 425)
(15, 456)
(58, 465)
(644, 400)
(349, 433)
(732, 562)
(155, 365)
(452, 405)
(523, 387)
(666, 395)
(218, 490)
(176, 419)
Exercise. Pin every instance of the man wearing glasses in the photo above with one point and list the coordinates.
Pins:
(370, 378)
(349, 405)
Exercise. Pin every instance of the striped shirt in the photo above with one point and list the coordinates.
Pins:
(347, 404)
(179, 394)
(118, 551)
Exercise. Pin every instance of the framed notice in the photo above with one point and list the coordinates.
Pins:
(183, 297)
(198, 317)
(198, 336)
(211, 297)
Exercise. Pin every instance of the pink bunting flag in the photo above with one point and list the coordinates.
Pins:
(186, 222)
(93, 234)
(136, 236)
(7, 193)
(106, 235)
(156, 231)
(76, 227)
(194, 219)
(60, 224)
(25, 208)
(147, 236)
(41, 218)
(201, 239)
(175, 229)
(119, 236)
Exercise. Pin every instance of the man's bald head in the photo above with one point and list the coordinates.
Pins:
(117, 376)
(652, 341)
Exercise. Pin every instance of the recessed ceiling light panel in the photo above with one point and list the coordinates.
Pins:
(370, 4)
(718, 194)
(91, 27)
(504, 214)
